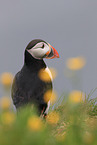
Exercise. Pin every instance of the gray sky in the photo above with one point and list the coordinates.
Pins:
(68, 25)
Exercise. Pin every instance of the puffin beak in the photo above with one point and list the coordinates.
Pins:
(52, 53)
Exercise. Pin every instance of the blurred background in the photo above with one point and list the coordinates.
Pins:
(68, 25)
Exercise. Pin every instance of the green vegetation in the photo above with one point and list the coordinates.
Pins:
(68, 123)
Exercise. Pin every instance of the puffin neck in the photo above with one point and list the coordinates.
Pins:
(30, 61)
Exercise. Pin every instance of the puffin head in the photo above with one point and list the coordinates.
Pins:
(40, 49)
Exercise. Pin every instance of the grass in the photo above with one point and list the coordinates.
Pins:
(70, 124)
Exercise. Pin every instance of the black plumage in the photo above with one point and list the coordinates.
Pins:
(27, 87)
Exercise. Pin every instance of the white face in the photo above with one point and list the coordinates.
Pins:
(39, 50)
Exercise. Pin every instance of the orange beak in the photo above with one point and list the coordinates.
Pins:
(52, 53)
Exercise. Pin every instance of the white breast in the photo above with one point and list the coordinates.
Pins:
(48, 105)
(48, 71)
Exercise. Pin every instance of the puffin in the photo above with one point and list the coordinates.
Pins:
(27, 86)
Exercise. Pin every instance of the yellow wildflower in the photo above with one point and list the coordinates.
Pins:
(50, 95)
(75, 63)
(8, 118)
(6, 79)
(34, 123)
(75, 96)
(44, 75)
(47, 74)
(5, 102)
(53, 117)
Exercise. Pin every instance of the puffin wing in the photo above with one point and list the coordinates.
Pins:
(17, 97)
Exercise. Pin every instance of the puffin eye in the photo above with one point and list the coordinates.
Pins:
(42, 46)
